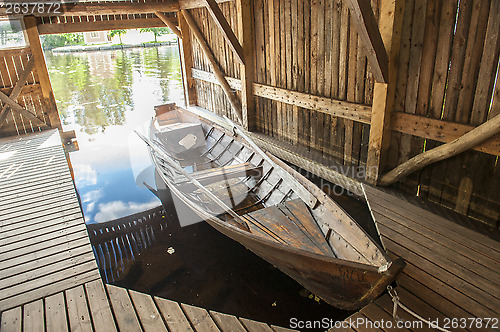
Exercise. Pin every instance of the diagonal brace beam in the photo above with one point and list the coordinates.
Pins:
(369, 32)
(18, 108)
(168, 21)
(225, 28)
(231, 95)
(9, 101)
(17, 88)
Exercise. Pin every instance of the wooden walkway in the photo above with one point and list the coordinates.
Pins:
(95, 307)
(49, 280)
(44, 247)
(452, 272)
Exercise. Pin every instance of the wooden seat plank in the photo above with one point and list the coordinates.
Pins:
(55, 313)
(12, 320)
(33, 316)
(100, 310)
(281, 329)
(147, 312)
(254, 326)
(126, 318)
(300, 213)
(173, 315)
(284, 223)
(199, 318)
(77, 308)
(227, 323)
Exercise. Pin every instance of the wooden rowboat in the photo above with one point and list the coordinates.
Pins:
(257, 200)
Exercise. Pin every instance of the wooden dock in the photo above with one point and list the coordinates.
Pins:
(49, 280)
(44, 246)
(452, 272)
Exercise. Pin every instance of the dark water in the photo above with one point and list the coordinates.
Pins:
(104, 96)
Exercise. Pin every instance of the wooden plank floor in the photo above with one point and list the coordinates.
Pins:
(452, 272)
(44, 246)
(95, 307)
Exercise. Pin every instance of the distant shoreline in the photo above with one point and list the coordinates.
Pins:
(103, 47)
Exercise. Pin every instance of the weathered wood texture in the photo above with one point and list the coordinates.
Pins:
(300, 46)
(12, 65)
(44, 247)
(94, 306)
(445, 84)
(452, 272)
(448, 69)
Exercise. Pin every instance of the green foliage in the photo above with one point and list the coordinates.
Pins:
(65, 39)
(157, 31)
(118, 32)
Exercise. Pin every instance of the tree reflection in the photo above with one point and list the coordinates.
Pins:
(94, 89)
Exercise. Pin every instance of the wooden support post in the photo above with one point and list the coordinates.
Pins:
(233, 98)
(368, 30)
(391, 21)
(225, 28)
(33, 39)
(186, 52)
(246, 33)
(168, 21)
(448, 150)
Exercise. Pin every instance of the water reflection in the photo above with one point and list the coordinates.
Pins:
(104, 96)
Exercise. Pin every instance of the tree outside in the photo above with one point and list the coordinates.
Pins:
(119, 32)
(157, 32)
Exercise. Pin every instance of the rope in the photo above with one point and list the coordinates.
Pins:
(395, 300)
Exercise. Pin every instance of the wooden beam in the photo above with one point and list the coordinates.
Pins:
(391, 21)
(464, 143)
(169, 22)
(186, 53)
(33, 39)
(233, 98)
(419, 126)
(245, 14)
(56, 28)
(16, 91)
(441, 131)
(84, 8)
(368, 30)
(338, 108)
(192, 4)
(225, 28)
(21, 110)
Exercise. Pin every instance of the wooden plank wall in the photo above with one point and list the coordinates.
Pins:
(12, 63)
(306, 46)
(447, 71)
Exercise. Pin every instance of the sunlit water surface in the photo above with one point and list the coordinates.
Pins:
(104, 96)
